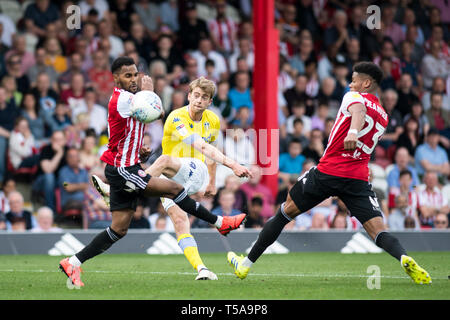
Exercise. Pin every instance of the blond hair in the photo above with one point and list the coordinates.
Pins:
(206, 85)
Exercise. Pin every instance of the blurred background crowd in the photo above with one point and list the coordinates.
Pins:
(55, 83)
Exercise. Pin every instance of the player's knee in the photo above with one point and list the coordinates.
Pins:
(290, 208)
(175, 190)
(122, 231)
(164, 160)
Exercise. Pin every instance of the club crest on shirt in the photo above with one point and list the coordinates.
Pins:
(182, 129)
(141, 173)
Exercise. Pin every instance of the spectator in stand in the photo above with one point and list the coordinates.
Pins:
(101, 6)
(192, 28)
(406, 96)
(438, 86)
(418, 114)
(244, 51)
(298, 93)
(402, 163)
(81, 47)
(18, 218)
(296, 134)
(167, 53)
(388, 53)
(232, 183)
(438, 117)
(89, 159)
(238, 146)
(8, 186)
(8, 114)
(44, 220)
(72, 195)
(409, 19)
(60, 119)
(54, 55)
(7, 29)
(19, 49)
(223, 102)
(139, 219)
(38, 15)
(143, 43)
(21, 151)
(76, 62)
(205, 51)
(45, 96)
(13, 69)
(434, 65)
(441, 221)
(337, 34)
(358, 30)
(315, 148)
(223, 30)
(97, 114)
(140, 62)
(254, 187)
(42, 67)
(149, 14)
(74, 96)
(160, 214)
(115, 48)
(9, 83)
(226, 201)
(305, 52)
(298, 112)
(431, 200)
(395, 125)
(430, 156)
(170, 14)
(242, 66)
(322, 113)
(410, 138)
(390, 28)
(408, 65)
(254, 219)
(439, 34)
(408, 190)
(122, 15)
(417, 51)
(291, 162)
(52, 159)
(94, 207)
(240, 95)
(396, 219)
(101, 77)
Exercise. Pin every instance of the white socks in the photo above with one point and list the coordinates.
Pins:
(73, 260)
(247, 263)
(218, 223)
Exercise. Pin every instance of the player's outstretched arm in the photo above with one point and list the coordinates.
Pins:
(358, 113)
(215, 154)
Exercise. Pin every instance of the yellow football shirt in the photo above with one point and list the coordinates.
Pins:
(180, 131)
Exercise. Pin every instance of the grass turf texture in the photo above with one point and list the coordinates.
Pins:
(318, 275)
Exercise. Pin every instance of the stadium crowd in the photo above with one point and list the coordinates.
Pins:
(55, 83)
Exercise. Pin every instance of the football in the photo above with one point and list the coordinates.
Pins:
(146, 106)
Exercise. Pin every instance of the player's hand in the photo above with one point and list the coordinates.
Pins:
(350, 141)
(146, 83)
(241, 171)
(144, 153)
(210, 190)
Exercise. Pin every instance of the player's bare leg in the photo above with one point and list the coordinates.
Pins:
(167, 165)
(385, 240)
(270, 232)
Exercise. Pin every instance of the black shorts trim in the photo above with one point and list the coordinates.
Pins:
(315, 186)
(126, 185)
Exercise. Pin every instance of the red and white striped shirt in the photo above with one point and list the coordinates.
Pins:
(411, 210)
(432, 199)
(224, 32)
(125, 133)
(337, 161)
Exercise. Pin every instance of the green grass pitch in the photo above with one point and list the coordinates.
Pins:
(318, 275)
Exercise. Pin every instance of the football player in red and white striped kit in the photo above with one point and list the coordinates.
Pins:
(342, 171)
(125, 175)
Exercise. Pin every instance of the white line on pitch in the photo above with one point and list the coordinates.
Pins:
(227, 274)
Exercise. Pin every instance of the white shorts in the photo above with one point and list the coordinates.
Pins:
(193, 176)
